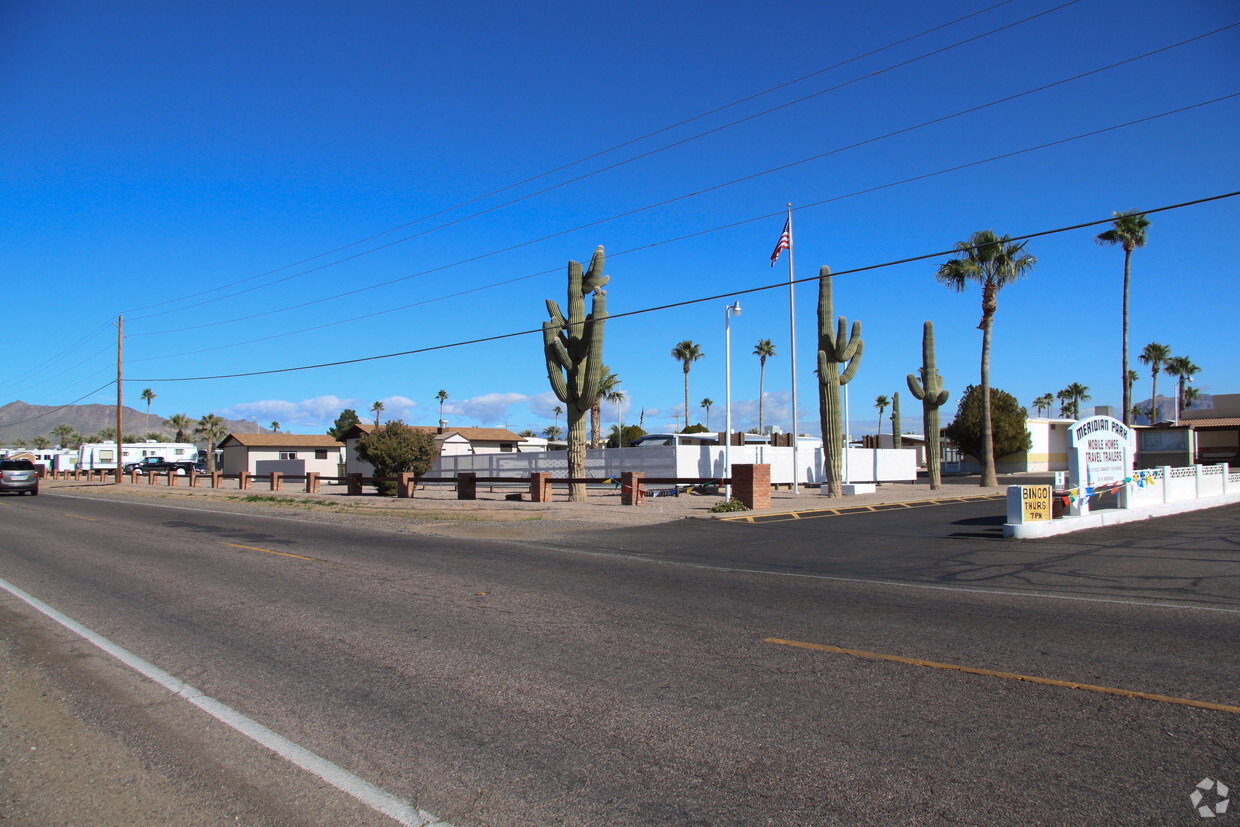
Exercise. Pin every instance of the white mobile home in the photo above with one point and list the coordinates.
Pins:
(95, 456)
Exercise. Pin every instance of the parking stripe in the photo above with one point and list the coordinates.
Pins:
(990, 673)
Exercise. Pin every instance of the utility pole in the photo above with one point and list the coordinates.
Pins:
(120, 338)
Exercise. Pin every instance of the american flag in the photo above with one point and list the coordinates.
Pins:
(785, 241)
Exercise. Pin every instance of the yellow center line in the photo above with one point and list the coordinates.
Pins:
(1107, 690)
(269, 551)
(89, 519)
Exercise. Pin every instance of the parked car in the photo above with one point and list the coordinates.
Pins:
(19, 475)
(159, 465)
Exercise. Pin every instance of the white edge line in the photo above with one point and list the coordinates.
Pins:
(360, 789)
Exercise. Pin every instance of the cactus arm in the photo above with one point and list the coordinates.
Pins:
(854, 360)
(941, 398)
(594, 278)
(914, 385)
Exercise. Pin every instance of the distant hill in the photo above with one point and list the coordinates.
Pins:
(1166, 407)
(25, 422)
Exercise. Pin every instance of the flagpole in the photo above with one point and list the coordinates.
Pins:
(792, 315)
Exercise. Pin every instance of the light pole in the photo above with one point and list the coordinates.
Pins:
(728, 312)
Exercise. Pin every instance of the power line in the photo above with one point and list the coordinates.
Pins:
(601, 170)
(732, 225)
(673, 305)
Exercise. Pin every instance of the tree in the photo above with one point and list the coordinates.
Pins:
(275, 427)
(763, 350)
(607, 382)
(41, 442)
(396, 448)
(552, 432)
(1076, 393)
(707, 403)
(687, 352)
(107, 434)
(616, 397)
(557, 410)
(211, 428)
(64, 433)
(1154, 355)
(1128, 231)
(1189, 397)
(993, 262)
(182, 423)
(1008, 432)
(347, 419)
(148, 395)
(526, 432)
(376, 409)
(1065, 403)
(442, 396)
(1183, 368)
(881, 402)
(631, 432)
(1044, 403)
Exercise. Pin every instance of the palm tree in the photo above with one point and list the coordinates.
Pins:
(1154, 355)
(763, 349)
(1190, 396)
(557, 410)
(1128, 231)
(211, 428)
(706, 403)
(182, 423)
(994, 262)
(1078, 393)
(617, 396)
(64, 432)
(147, 396)
(442, 396)
(1065, 403)
(275, 427)
(687, 352)
(1044, 402)
(41, 442)
(881, 402)
(1182, 367)
(607, 382)
(377, 409)
(552, 432)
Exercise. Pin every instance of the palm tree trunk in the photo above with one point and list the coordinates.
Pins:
(989, 479)
(761, 382)
(1127, 384)
(596, 425)
(686, 394)
(1154, 395)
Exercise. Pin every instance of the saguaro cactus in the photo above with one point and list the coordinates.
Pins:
(930, 391)
(574, 350)
(896, 442)
(834, 351)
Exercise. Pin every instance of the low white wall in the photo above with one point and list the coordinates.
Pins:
(1154, 492)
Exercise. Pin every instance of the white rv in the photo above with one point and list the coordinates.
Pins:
(95, 456)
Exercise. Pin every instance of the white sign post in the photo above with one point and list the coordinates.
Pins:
(1100, 453)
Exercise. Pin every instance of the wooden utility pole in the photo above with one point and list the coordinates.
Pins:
(120, 338)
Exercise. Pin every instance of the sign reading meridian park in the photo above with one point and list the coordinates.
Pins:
(1100, 452)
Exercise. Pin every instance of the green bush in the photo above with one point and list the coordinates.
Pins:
(732, 504)
(396, 448)
(1007, 424)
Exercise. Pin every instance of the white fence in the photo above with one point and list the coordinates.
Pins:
(689, 462)
(1155, 486)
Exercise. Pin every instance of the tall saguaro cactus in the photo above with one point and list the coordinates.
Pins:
(834, 351)
(930, 391)
(574, 350)
(896, 441)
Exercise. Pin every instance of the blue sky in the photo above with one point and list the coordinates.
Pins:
(230, 177)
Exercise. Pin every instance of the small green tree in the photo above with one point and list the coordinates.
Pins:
(1007, 420)
(65, 433)
(183, 423)
(347, 419)
(396, 448)
(41, 442)
(631, 432)
(698, 428)
(211, 428)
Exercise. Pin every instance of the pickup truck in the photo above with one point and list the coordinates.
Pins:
(159, 465)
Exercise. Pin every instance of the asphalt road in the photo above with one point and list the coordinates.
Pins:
(629, 677)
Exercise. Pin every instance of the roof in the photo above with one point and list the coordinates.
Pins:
(282, 441)
(1226, 422)
(472, 434)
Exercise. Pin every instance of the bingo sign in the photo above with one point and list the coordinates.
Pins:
(1100, 452)
(1035, 503)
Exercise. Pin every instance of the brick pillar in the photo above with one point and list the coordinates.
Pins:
(355, 485)
(406, 484)
(467, 486)
(631, 491)
(172, 478)
(243, 481)
(217, 479)
(312, 482)
(540, 487)
(193, 479)
(751, 484)
(277, 480)
(150, 477)
(133, 477)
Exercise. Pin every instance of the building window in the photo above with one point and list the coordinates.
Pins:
(320, 454)
(288, 455)
(505, 447)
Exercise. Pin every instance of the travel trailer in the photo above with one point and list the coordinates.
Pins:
(95, 456)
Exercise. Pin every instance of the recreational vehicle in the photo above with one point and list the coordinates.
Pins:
(95, 456)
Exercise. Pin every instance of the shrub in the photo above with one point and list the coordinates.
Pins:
(396, 448)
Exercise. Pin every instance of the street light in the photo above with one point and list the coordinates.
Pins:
(728, 312)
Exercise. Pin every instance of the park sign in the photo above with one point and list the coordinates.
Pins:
(1100, 452)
